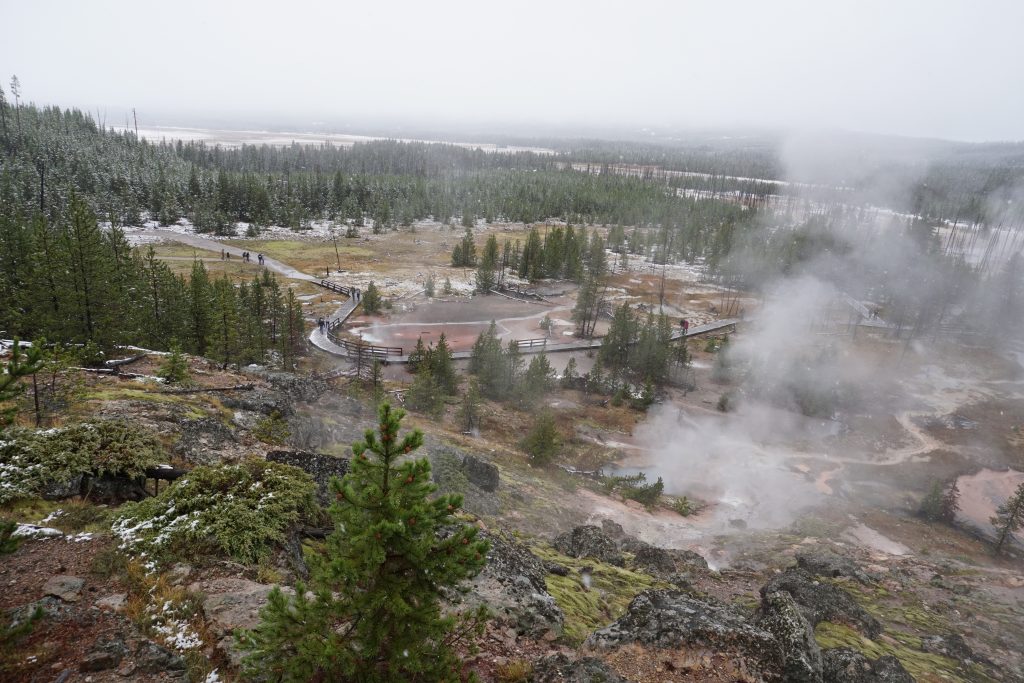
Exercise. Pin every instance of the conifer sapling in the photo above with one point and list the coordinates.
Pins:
(371, 610)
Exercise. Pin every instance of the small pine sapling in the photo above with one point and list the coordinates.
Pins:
(371, 610)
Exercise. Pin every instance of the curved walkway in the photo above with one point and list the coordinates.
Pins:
(212, 245)
(321, 341)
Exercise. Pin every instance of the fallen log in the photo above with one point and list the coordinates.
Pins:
(119, 362)
(199, 390)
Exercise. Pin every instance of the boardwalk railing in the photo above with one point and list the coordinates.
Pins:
(354, 348)
(335, 287)
(531, 343)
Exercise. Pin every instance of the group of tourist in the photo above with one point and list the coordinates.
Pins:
(225, 255)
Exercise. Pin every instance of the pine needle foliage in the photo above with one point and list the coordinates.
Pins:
(371, 611)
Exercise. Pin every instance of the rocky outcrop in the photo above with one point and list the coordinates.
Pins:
(672, 626)
(260, 401)
(953, 646)
(829, 564)
(843, 665)
(201, 440)
(589, 541)
(649, 558)
(780, 616)
(562, 668)
(512, 585)
(480, 473)
(114, 489)
(821, 601)
(229, 604)
(321, 467)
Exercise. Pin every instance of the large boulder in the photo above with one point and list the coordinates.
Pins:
(649, 558)
(260, 401)
(201, 441)
(229, 604)
(114, 489)
(671, 628)
(482, 474)
(589, 541)
(321, 467)
(561, 668)
(821, 601)
(780, 616)
(843, 665)
(512, 585)
(826, 563)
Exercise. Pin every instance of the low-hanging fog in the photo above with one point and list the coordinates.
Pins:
(802, 378)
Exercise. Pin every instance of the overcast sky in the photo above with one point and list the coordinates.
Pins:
(932, 68)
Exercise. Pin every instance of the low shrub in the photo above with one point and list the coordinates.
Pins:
(240, 510)
(31, 460)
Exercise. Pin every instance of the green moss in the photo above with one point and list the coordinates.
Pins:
(923, 666)
(611, 590)
(901, 609)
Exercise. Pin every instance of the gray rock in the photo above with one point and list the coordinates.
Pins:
(888, 669)
(200, 440)
(672, 620)
(321, 467)
(114, 489)
(106, 655)
(112, 603)
(689, 558)
(780, 616)
(232, 603)
(589, 541)
(828, 563)
(260, 401)
(820, 601)
(561, 668)
(179, 573)
(482, 474)
(67, 588)
(556, 568)
(512, 585)
(153, 658)
(613, 530)
(953, 646)
(59, 490)
(843, 665)
(650, 558)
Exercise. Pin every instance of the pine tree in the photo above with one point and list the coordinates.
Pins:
(425, 396)
(224, 343)
(15, 369)
(469, 412)
(174, 369)
(468, 249)
(542, 442)
(1009, 518)
(419, 356)
(200, 300)
(374, 611)
(442, 368)
(485, 272)
(371, 300)
(538, 379)
(571, 375)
